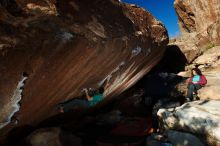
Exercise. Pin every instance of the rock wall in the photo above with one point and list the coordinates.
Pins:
(65, 46)
(197, 15)
(199, 26)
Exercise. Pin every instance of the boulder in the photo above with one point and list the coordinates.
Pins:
(120, 141)
(152, 142)
(199, 118)
(157, 139)
(133, 127)
(110, 118)
(61, 47)
(182, 139)
(210, 58)
(52, 137)
(130, 101)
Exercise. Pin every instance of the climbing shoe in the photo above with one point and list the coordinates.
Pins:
(195, 97)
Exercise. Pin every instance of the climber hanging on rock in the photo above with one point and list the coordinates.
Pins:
(195, 82)
(90, 101)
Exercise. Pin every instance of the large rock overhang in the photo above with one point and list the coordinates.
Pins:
(50, 51)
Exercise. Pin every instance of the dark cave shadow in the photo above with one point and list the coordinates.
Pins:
(12, 7)
(174, 61)
(70, 118)
(16, 136)
(204, 102)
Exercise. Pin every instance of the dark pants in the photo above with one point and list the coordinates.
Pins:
(192, 88)
(75, 103)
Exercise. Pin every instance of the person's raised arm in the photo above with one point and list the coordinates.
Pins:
(87, 95)
(106, 82)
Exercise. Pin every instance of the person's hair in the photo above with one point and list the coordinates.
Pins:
(101, 90)
(198, 71)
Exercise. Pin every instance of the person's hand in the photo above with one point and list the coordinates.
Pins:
(61, 110)
(85, 90)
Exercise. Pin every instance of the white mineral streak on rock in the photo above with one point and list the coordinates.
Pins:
(108, 77)
(120, 79)
(96, 27)
(136, 51)
(66, 36)
(12, 107)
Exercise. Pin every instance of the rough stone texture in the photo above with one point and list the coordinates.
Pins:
(210, 58)
(199, 26)
(199, 117)
(152, 142)
(44, 137)
(52, 137)
(214, 32)
(197, 15)
(65, 46)
(182, 139)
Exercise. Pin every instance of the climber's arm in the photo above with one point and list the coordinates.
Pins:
(106, 83)
(89, 98)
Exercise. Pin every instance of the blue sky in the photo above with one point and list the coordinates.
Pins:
(163, 10)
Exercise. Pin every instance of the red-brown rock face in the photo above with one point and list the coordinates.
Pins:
(199, 22)
(197, 15)
(51, 50)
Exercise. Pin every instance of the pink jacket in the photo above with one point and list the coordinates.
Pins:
(202, 80)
